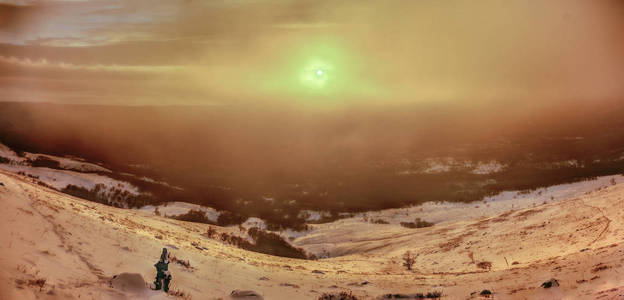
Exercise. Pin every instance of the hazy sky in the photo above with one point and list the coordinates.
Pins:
(319, 53)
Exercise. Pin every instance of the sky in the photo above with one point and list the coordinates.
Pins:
(311, 53)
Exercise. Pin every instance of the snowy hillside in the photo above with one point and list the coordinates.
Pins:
(576, 241)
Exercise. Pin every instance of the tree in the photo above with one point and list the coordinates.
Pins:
(409, 260)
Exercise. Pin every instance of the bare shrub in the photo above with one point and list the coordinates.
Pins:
(39, 282)
(409, 260)
(418, 223)
(195, 216)
(179, 293)
(379, 221)
(338, 296)
(210, 232)
(181, 262)
(485, 265)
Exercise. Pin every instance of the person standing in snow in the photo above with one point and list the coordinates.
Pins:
(163, 277)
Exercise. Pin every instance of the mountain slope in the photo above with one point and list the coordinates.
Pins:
(78, 246)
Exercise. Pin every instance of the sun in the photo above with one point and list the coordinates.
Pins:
(319, 72)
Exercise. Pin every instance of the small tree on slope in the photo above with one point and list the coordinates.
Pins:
(408, 260)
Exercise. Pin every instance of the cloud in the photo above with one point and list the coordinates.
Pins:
(391, 51)
(44, 63)
(16, 16)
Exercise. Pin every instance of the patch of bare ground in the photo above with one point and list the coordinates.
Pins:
(502, 218)
(527, 213)
(455, 242)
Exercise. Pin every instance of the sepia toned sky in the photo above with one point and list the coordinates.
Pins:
(311, 53)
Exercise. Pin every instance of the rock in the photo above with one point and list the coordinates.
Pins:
(129, 282)
(245, 295)
(550, 283)
(318, 272)
(485, 293)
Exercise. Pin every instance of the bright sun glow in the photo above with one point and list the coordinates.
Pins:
(319, 72)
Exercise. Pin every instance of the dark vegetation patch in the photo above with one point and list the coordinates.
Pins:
(428, 295)
(271, 243)
(338, 296)
(113, 196)
(227, 218)
(194, 215)
(45, 162)
(4, 160)
(264, 242)
(379, 221)
(418, 223)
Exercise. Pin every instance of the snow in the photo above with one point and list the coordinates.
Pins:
(254, 222)
(488, 168)
(150, 180)
(6, 152)
(60, 179)
(449, 212)
(437, 212)
(313, 215)
(437, 165)
(75, 164)
(77, 246)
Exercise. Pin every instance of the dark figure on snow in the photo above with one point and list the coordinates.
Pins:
(162, 272)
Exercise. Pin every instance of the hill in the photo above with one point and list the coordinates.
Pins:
(62, 247)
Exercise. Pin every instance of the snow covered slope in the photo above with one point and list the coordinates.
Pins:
(77, 247)
(63, 172)
(75, 164)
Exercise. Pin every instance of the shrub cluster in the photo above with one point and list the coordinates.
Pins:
(338, 296)
(418, 223)
(264, 242)
(194, 215)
